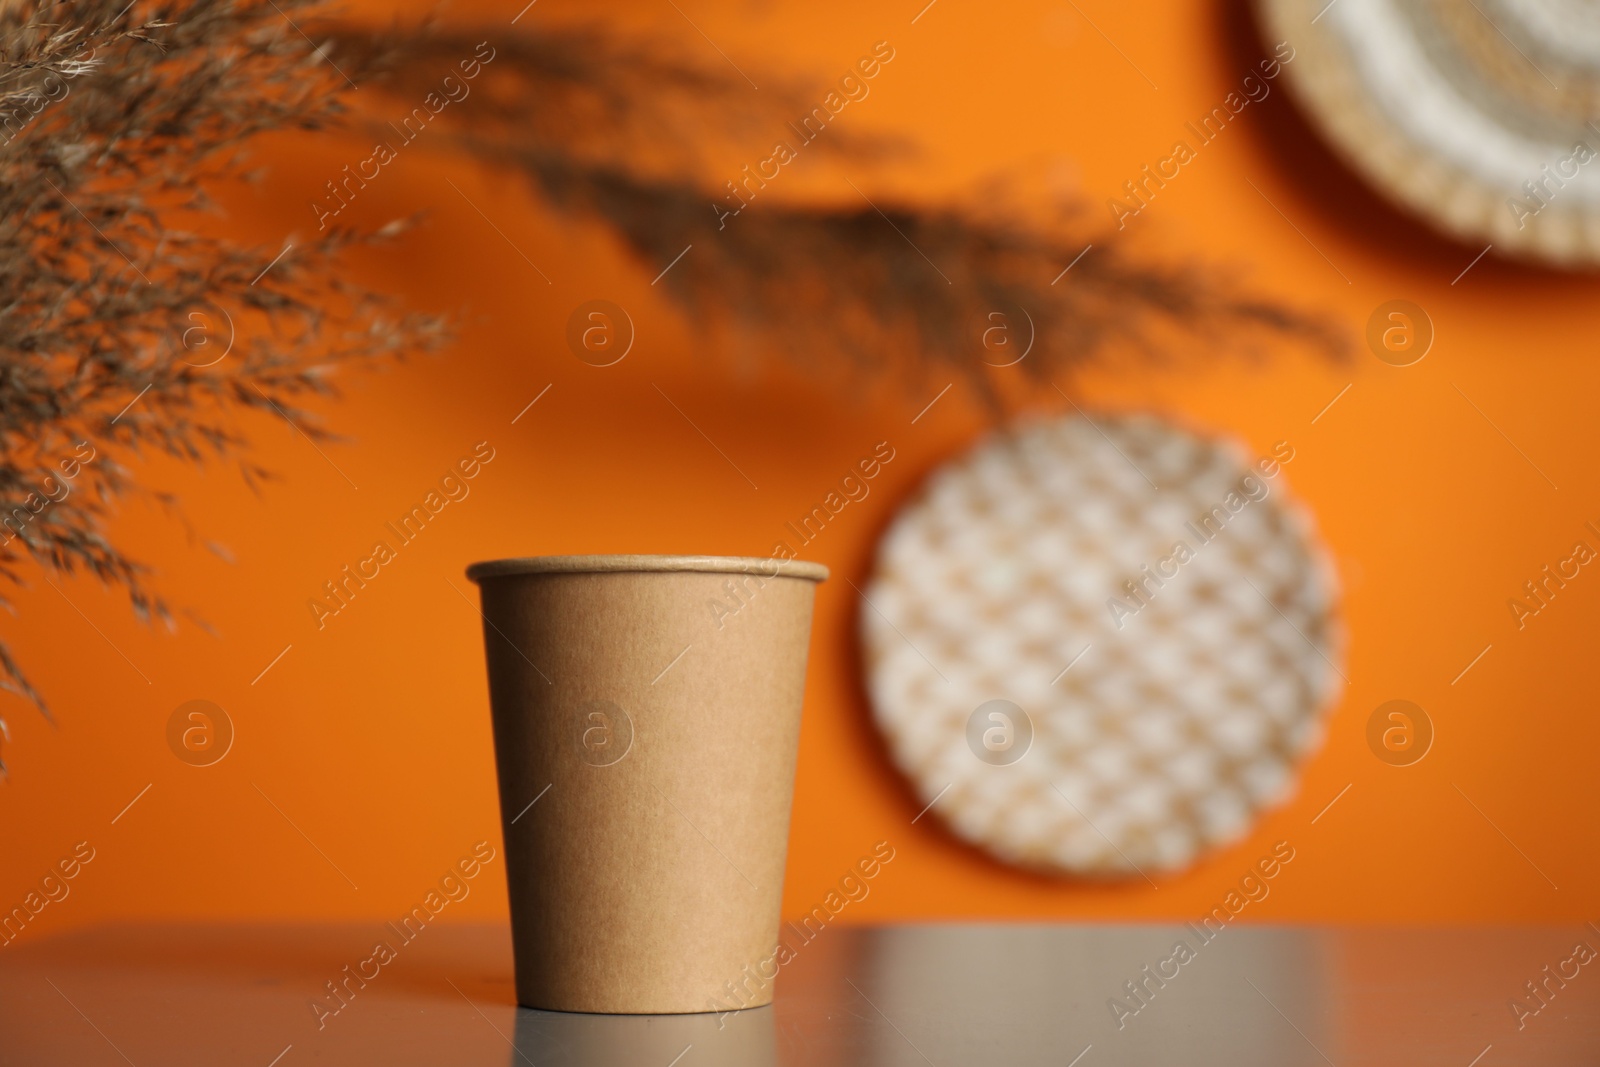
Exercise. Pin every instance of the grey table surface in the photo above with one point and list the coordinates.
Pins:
(944, 995)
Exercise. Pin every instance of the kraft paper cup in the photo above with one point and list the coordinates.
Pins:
(646, 716)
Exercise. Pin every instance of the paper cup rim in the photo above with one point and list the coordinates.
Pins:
(765, 566)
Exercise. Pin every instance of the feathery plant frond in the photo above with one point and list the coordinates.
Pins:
(620, 130)
(118, 299)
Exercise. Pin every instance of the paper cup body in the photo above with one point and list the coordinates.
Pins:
(646, 716)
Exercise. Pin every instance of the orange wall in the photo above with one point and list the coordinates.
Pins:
(372, 735)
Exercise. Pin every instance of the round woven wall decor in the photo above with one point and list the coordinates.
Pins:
(1478, 117)
(1065, 685)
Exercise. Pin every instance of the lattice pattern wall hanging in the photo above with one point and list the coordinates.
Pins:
(1102, 645)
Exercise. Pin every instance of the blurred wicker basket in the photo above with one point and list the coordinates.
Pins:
(1067, 688)
(1478, 117)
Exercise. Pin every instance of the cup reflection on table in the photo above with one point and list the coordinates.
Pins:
(737, 1039)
